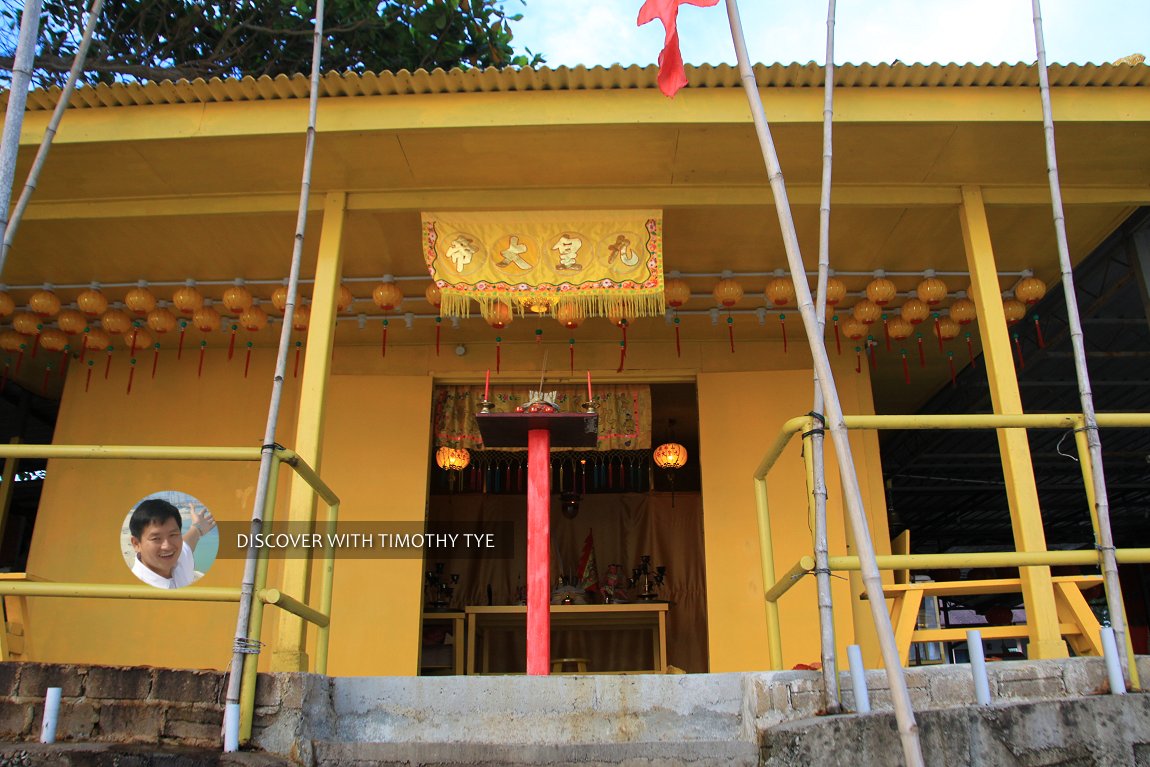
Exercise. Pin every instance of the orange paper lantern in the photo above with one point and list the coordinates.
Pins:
(1030, 290)
(115, 321)
(44, 303)
(97, 340)
(946, 328)
(92, 302)
(780, 291)
(881, 290)
(301, 318)
(71, 321)
(567, 316)
(932, 291)
(138, 339)
(26, 323)
(498, 315)
(11, 341)
(1013, 309)
(161, 320)
(187, 300)
(7, 305)
(899, 328)
(387, 296)
(866, 311)
(433, 295)
(53, 340)
(962, 311)
(140, 301)
(254, 319)
(677, 292)
(728, 292)
(206, 319)
(343, 299)
(237, 298)
(836, 291)
(853, 329)
(279, 298)
(914, 311)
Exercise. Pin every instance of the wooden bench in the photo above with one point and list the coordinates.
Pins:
(1076, 620)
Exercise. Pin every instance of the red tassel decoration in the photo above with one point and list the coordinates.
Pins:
(678, 348)
(108, 364)
(295, 370)
(858, 359)
(20, 358)
(1038, 332)
(870, 349)
(232, 343)
(622, 356)
(438, 327)
(538, 335)
(383, 341)
(64, 358)
(131, 374)
(571, 350)
(905, 368)
(731, 332)
(36, 341)
(248, 359)
(1018, 348)
(155, 358)
(921, 351)
(88, 382)
(623, 324)
(970, 351)
(950, 360)
(783, 325)
(498, 353)
(886, 331)
(200, 369)
(47, 372)
(938, 332)
(838, 342)
(180, 347)
(135, 335)
(84, 345)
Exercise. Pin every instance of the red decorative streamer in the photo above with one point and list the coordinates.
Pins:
(88, 382)
(155, 358)
(200, 369)
(232, 343)
(438, 327)
(383, 341)
(538, 335)
(1038, 332)
(921, 351)
(870, 350)
(678, 348)
(84, 345)
(1018, 348)
(938, 331)
(950, 361)
(36, 342)
(905, 368)
(180, 347)
(858, 359)
(498, 353)
(295, 370)
(571, 349)
(622, 356)
(886, 331)
(731, 332)
(838, 342)
(108, 364)
(131, 375)
(783, 325)
(47, 372)
(19, 359)
(970, 351)
(248, 359)
(623, 324)
(64, 359)
(135, 335)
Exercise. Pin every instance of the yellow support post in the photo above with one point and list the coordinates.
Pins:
(1021, 492)
(256, 619)
(327, 580)
(290, 648)
(1088, 480)
(767, 562)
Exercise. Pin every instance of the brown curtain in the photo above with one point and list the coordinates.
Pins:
(624, 412)
(624, 527)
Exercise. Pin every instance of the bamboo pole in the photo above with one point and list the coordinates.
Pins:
(17, 100)
(860, 530)
(50, 133)
(1105, 540)
(818, 458)
(241, 646)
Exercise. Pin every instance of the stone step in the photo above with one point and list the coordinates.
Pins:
(125, 755)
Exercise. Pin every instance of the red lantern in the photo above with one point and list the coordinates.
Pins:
(115, 321)
(866, 311)
(914, 311)
(899, 328)
(140, 301)
(92, 302)
(931, 290)
(1013, 309)
(161, 320)
(237, 298)
(962, 311)
(677, 292)
(71, 321)
(836, 291)
(881, 290)
(44, 303)
(206, 319)
(187, 300)
(254, 319)
(1030, 290)
(780, 292)
(854, 329)
(728, 292)
(387, 296)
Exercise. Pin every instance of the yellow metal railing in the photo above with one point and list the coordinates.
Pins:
(776, 587)
(321, 617)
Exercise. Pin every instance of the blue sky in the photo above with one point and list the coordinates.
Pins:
(603, 32)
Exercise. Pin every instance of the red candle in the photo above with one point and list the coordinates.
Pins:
(589, 386)
(487, 386)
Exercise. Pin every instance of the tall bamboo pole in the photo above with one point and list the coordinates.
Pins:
(860, 530)
(1105, 541)
(241, 646)
(17, 99)
(822, 572)
(50, 133)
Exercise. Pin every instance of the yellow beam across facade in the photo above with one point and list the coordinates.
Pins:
(520, 109)
(290, 653)
(1018, 471)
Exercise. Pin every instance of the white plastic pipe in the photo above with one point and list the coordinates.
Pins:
(1113, 661)
(51, 715)
(231, 727)
(978, 667)
(858, 678)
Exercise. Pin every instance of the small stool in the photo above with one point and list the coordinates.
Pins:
(557, 665)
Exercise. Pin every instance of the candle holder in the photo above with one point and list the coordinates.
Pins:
(588, 408)
(485, 406)
(440, 587)
(648, 578)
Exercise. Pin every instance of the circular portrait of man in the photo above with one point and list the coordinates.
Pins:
(169, 540)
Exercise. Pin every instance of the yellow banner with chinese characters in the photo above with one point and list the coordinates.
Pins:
(564, 263)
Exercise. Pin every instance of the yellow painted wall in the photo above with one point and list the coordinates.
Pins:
(375, 457)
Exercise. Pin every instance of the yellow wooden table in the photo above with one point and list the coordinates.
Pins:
(648, 616)
(456, 619)
(1076, 620)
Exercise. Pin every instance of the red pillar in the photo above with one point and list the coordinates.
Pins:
(538, 551)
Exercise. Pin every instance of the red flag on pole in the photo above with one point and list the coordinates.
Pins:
(588, 573)
(672, 77)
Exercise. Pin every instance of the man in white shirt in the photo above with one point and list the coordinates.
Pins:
(164, 556)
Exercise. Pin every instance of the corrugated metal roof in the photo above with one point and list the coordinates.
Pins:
(335, 84)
